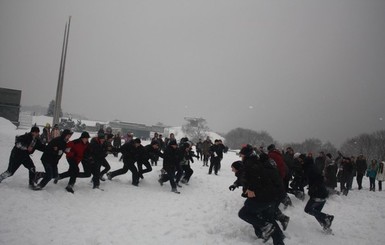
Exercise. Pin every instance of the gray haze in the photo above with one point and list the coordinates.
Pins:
(297, 69)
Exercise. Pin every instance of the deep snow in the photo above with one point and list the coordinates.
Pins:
(204, 213)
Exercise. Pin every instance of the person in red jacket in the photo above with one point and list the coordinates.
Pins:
(75, 152)
(277, 157)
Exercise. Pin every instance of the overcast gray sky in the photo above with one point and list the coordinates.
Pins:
(297, 69)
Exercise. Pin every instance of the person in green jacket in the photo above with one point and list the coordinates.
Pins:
(371, 173)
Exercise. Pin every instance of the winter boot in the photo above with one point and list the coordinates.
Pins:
(70, 189)
(287, 202)
(109, 176)
(38, 175)
(160, 182)
(37, 188)
(175, 191)
(284, 222)
(328, 222)
(267, 231)
(56, 180)
(4, 175)
(184, 181)
(300, 195)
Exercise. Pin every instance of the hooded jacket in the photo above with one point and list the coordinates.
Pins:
(262, 178)
(54, 150)
(75, 150)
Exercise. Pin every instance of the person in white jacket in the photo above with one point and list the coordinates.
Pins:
(380, 174)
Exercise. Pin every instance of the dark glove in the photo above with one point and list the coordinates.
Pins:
(232, 187)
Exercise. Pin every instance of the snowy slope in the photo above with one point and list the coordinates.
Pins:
(204, 213)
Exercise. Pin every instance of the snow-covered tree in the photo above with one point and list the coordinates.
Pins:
(51, 109)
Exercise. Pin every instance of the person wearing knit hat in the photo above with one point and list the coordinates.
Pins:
(51, 156)
(137, 141)
(66, 132)
(85, 135)
(263, 188)
(96, 155)
(236, 167)
(130, 154)
(101, 135)
(247, 151)
(75, 154)
(108, 148)
(24, 146)
(35, 129)
(147, 153)
(170, 162)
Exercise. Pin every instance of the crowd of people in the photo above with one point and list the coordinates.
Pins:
(266, 176)
(91, 152)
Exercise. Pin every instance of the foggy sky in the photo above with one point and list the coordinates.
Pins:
(296, 69)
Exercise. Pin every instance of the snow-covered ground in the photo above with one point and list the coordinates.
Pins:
(204, 213)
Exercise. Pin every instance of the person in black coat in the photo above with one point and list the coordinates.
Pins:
(117, 142)
(237, 169)
(146, 153)
(186, 157)
(263, 188)
(51, 156)
(330, 173)
(318, 194)
(170, 162)
(345, 175)
(96, 156)
(25, 145)
(362, 166)
(288, 158)
(216, 152)
(108, 148)
(129, 154)
(299, 180)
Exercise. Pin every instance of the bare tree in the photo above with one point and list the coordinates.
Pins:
(51, 109)
(328, 147)
(379, 142)
(313, 145)
(240, 136)
(370, 145)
